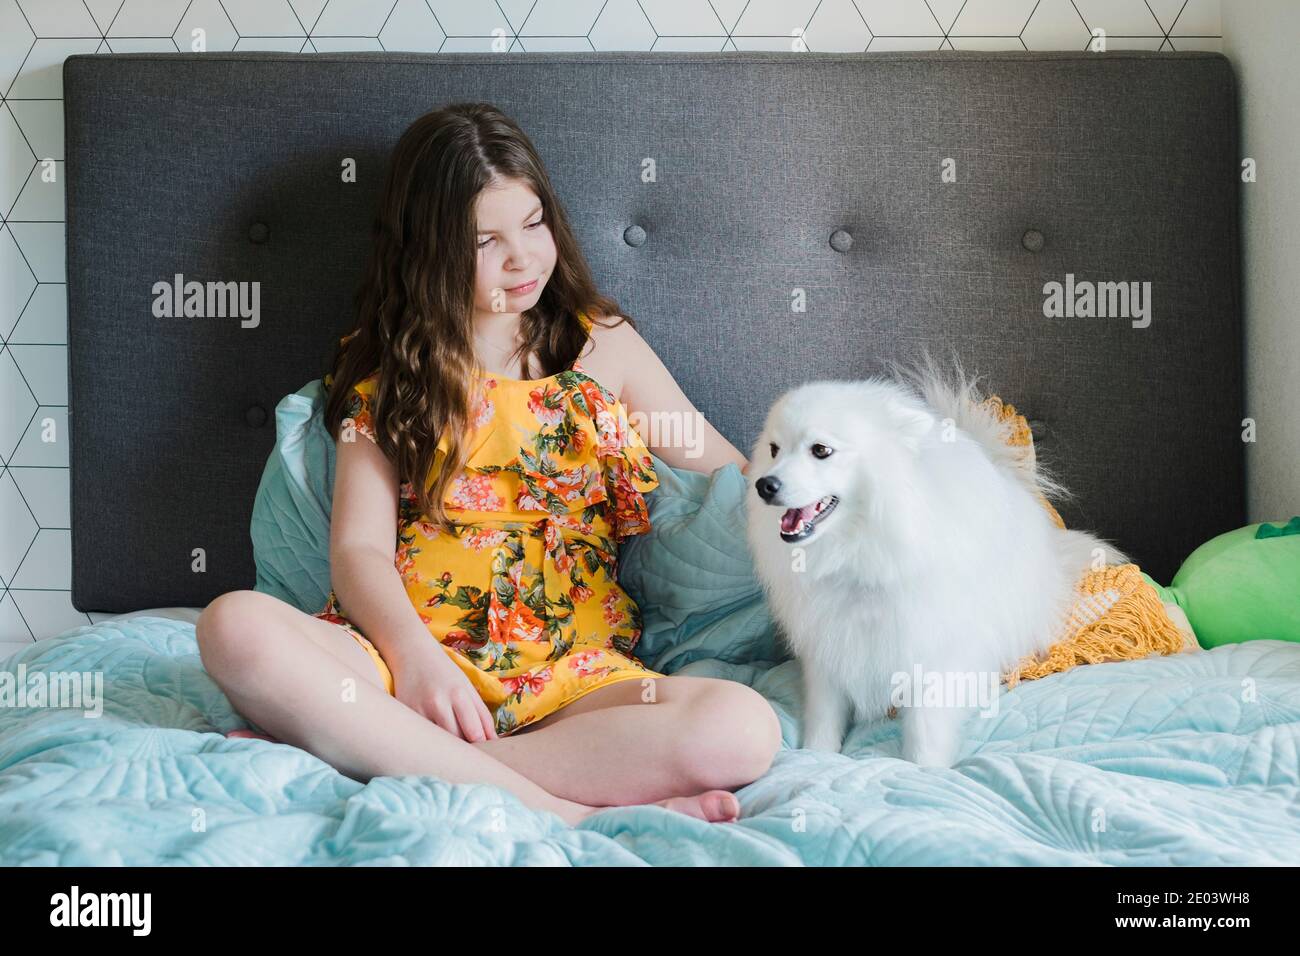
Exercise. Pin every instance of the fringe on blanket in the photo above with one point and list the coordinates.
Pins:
(1118, 615)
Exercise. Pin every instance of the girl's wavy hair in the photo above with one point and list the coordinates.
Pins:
(415, 306)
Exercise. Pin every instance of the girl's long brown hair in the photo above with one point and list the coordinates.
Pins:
(415, 306)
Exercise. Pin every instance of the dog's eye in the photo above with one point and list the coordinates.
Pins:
(822, 451)
(772, 445)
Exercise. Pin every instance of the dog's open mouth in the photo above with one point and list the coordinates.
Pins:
(799, 523)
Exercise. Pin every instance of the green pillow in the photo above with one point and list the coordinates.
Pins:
(1242, 586)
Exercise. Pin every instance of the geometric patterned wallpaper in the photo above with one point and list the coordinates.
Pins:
(37, 35)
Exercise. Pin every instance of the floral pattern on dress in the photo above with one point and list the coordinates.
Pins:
(522, 591)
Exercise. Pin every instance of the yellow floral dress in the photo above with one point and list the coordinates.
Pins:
(522, 593)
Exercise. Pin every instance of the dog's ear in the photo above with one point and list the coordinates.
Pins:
(913, 423)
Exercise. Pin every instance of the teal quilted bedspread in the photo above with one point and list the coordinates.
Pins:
(1192, 759)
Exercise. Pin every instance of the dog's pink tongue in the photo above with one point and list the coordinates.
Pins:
(790, 520)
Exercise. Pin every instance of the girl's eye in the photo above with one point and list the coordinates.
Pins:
(772, 445)
(531, 225)
(821, 451)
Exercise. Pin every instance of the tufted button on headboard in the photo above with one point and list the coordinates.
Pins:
(255, 416)
(841, 240)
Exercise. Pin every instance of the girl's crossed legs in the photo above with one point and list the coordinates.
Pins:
(638, 741)
(296, 677)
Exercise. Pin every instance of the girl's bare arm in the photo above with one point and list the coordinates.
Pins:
(670, 425)
(363, 548)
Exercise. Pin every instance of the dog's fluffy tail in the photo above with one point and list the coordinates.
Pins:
(955, 395)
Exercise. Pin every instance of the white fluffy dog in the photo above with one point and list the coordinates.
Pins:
(905, 554)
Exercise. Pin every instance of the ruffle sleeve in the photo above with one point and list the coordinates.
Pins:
(627, 470)
(360, 403)
(629, 473)
(360, 406)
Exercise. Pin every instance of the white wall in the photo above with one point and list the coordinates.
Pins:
(1260, 37)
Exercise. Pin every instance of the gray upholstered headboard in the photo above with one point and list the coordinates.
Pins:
(780, 179)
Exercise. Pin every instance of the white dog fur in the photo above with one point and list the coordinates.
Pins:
(938, 553)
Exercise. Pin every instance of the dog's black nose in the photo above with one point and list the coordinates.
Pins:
(767, 487)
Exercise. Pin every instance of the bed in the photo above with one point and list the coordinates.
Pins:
(780, 178)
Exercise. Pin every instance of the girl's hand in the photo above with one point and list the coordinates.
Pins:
(430, 683)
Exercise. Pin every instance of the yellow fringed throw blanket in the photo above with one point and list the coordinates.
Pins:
(1118, 615)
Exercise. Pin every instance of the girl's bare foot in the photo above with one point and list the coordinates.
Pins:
(714, 806)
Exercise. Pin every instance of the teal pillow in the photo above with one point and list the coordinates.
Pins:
(692, 575)
(290, 527)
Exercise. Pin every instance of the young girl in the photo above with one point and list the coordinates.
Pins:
(476, 522)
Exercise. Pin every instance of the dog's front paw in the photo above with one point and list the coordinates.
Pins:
(928, 756)
(931, 736)
(822, 738)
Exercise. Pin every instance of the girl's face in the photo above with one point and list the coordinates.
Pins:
(516, 251)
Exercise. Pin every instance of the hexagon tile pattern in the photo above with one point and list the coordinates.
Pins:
(37, 35)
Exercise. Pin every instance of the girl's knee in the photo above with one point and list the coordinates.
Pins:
(232, 629)
(734, 733)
